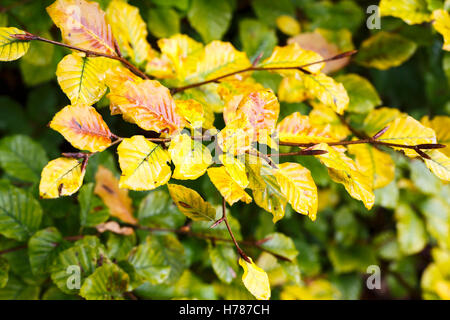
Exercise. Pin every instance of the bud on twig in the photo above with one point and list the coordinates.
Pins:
(380, 133)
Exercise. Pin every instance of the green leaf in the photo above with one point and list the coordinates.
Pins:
(180, 4)
(385, 50)
(411, 234)
(16, 289)
(210, 19)
(256, 38)
(4, 270)
(268, 11)
(92, 210)
(53, 293)
(150, 263)
(224, 261)
(163, 22)
(437, 214)
(353, 258)
(118, 246)
(22, 158)
(86, 255)
(20, 213)
(108, 282)
(43, 248)
(158, 210)
(362, 94)
(281, 245)
(13, 119)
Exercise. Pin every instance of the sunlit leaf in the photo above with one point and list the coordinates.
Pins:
(376, 164)
(344, 170)
(61, 177)
(255, 280)
(363, 96)
(83, 25)
(144, 164)
(235, 168)
(441, 22)
(297, 128)
(10, 47)
(439, 164)
(192, 111)
(292, 56)
(408, 131)
(116, 199)
(379, 118)
(83, 127)
(410, 11)
(130, 30)
(148, 104)
(227, 187)
(237, 136)
(288, 25)
(323, 116)
(441, 126)
(190, 203)
(82, 78)
(298, 187)
(190, 157)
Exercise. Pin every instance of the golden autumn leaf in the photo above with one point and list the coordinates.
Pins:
(216, 59)
(288, 25)
(344, 170)
(180, 50)
(292, 56)
(83, 78)
(191, 204)
(408, 131)
(144, 164)
(227, 187)
(238, 135)
(115, 198)
(322, 116)
(114, 227)
(378, 119)
(441, 126)
(265, 188)
(298, 187)
(439, 164)
(235, 168)
(61, 177)
(412, 12)
(10, 47)
(83, 25)
(376, 164)
(148, 104)
(83, 127)
(441, 22)
(255, 280)
(191, 158)
(297, 128)
(192, 111)
(130, 31)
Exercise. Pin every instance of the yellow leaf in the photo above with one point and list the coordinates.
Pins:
(83, 25)
(191, 158)
(378, 119)
(255, 280)
(116, 199)
(192, 111)
(181, 50)
(114, 227)
(191, 204)
(288, 25)
(407, 131)
(292, 56)
(410, 11)
(238, 135)
(439, 164)
(315, 290)
(148, 104)
(217, 59)
(12, 48)
(235, 168)
(144, 164)
(344, 170)
(441, 126)
(376, 164)
(298, 187)
(83, 127)
(82, 78)
(227, 187)
(61, 177)
(322, 116)
(265, 188)
(292, 90)
(299, 129)
(130, 30)
(441, 22)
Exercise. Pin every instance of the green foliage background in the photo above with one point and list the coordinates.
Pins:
(410, 218)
